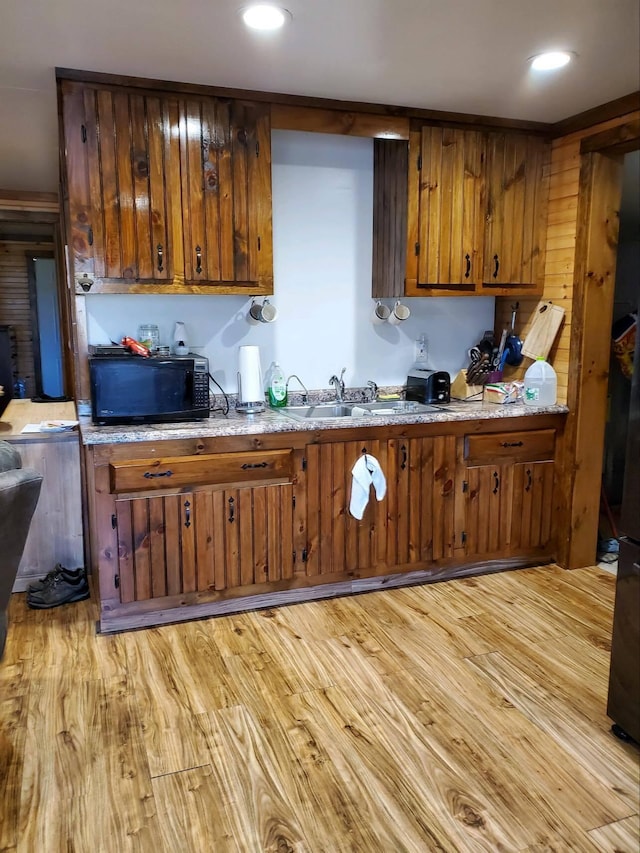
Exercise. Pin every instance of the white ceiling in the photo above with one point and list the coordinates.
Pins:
(458, 55)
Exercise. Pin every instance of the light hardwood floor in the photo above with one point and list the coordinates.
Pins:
(460, 716)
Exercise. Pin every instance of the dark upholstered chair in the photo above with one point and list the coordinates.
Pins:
(19, 493)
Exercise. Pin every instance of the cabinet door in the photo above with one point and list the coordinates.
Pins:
(488, 509)
(420, 513)
(444, 253)
(226, 194)
(336, 541)
(532, 505)
(204, 541)
(131, 161)
(516, 212)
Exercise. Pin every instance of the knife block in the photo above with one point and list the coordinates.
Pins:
(462, 391)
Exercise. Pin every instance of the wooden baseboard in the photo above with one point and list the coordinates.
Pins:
(113, 622)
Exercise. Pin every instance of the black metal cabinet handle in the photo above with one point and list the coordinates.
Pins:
(232, 510)
(497, 267)
(198, 259)
(254, 465)
(529, 480)
(90, 236)
(160, 257)
(187, 514)
(497, 482)
(150, 475)
(403, 464)
(468, 269)
(511, 444)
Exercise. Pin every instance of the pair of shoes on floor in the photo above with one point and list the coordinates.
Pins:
(59, 586)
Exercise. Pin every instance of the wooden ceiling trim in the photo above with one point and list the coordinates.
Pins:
(605, 112)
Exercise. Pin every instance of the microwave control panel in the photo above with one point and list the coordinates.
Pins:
(200, 383)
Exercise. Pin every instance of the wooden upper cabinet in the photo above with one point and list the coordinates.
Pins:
(225, 151)
(445, 215)
(120, 163)
(167, 193)
(517, 188)
(459, 212)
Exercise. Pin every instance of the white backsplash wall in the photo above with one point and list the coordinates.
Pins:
(322, 235)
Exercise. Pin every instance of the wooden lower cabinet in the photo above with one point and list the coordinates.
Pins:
(508, 504)
(203, 541)
(188, 528)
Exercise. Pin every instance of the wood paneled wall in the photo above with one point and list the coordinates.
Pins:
(15, 307)
(562, 227)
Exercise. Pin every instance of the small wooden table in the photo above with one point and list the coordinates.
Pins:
(56, 534)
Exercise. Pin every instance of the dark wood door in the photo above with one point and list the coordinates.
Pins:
(132, 157)
(532, 505)
(445, 224)
(420, 510)
(337, 542)
(204, 541)
(517, 186)
(226, 194)
(488, 509)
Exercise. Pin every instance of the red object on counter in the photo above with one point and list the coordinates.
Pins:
(135, 347)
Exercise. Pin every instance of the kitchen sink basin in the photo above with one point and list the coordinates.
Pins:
(394, 407)
(389, 408)
(303, 413)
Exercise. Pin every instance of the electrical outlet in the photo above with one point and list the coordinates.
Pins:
(421, 350)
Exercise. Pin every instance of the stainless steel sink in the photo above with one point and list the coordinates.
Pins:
(303, 413)
(394, 407)
(389, 408)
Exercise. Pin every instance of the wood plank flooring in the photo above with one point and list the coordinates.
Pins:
(460, 716)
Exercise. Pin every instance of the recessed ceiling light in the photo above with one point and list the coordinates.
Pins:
(551, 60)
(264, 16)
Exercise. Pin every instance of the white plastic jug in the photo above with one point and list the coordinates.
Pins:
(540, 384)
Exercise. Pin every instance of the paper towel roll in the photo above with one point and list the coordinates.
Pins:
(250, 385)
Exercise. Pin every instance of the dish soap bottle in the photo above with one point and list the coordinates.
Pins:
(277, 387)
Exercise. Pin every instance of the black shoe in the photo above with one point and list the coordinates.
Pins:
(59, 591)
(58, 570)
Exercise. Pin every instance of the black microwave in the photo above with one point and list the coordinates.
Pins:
(130, 389)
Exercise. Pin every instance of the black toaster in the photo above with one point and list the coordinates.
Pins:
(428, 386)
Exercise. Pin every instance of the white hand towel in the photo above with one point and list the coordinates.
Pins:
(366, 471)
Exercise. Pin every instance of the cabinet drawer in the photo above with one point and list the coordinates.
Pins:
(270, 466)
(526, 446)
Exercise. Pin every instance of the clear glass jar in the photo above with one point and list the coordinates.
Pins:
(149, 335)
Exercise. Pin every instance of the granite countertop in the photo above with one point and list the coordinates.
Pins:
(273, 421)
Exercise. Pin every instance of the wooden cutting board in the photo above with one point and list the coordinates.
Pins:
(546, 322)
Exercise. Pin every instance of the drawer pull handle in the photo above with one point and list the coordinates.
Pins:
(529, 480)
(496, 269)
(511, 444)
(254, 465)
(232, 510)
(198, 260)
(497, 482)
(187, 514)
(150, 475)
(467, 272)
(160, 256)
(403, 464)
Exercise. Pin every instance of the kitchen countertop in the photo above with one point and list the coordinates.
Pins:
(19, 413)
(272, 421)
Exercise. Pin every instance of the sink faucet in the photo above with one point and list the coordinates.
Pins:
(374, 390)
(338, 385)
(305, 396)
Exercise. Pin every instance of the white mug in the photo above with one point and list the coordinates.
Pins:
(265, 313)
(399, 314)
(380, 312)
